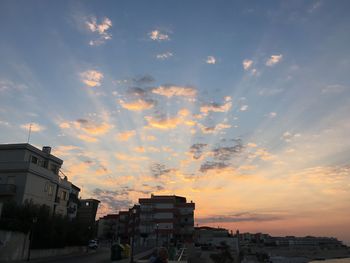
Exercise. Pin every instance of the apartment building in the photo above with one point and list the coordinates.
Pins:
(73, 202)
(108, 227)
(166, 218)
(30, 174)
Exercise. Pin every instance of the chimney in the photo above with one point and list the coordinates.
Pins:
(46, 149)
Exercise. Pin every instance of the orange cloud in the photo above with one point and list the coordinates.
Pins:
(126, 157)
(138, 105)
(87, 138)
(164, 123)
(215, 128)
(171, 91)
(216, 107)
(91, 78)
(125, 136)
(34, 127)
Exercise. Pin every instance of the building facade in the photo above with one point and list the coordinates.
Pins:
(28, 174)
(166, 218)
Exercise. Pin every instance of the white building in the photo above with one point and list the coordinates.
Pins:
(30, 174)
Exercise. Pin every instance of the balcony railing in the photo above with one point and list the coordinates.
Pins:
(7, 189)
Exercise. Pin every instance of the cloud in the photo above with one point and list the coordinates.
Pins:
(91, 78)
(215, 128)
(163, 123)
(263, 154)
(65, 150)
(92, 128)
(173, 90)
(211, 60)
(209, 165)
(145, 79)
(125, 136)
(216, 107)
(288, 136)
(136, 91)
(140, 149)
(226, 153)
(131, 158)
(197, 149)
(138, 105)
(272, 115)
(5, 123)
(274, 59)
(101, 29)
(114, 200)
(158, 170)
(241, 217)
(148, 138)
(252, 145)
(7, 85)
(166, 123)
(243, 108)
(316, 5)
(87, 138)
(335, 88)
(247, 64)
(157, 35)
(34, 127)
(164, 56)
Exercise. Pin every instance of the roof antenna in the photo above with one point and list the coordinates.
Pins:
(29, 131)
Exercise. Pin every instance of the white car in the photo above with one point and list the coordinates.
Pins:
(93, 244)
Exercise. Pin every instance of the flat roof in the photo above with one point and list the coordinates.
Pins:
(29, 147)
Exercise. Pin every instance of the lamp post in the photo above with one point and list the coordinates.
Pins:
(31, 234)
(133, 236)
(157, 227)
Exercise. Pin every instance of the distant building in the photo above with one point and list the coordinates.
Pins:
(308, 241)
(108, 227)
(30, 174)
(87, 211)
(210, 236)
(73, 202)
(165, 218)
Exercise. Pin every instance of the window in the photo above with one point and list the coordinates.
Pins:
(44, 163)
(54, 168)
(64, 195)
(34, 159)
(50, 189)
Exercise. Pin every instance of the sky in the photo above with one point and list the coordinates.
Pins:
(240, 106)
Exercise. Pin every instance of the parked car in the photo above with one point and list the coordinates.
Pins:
(93, 244)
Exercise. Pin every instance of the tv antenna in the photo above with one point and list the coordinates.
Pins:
(29, 131)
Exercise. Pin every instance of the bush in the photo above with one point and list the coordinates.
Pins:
(49, 231)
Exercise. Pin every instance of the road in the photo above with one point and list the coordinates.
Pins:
(101, 255)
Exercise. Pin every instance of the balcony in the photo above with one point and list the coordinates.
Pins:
(7, 189)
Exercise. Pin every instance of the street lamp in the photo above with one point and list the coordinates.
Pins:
(133, 235)
(31, 234)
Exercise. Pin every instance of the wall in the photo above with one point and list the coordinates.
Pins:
(45, 253)
(13, 245)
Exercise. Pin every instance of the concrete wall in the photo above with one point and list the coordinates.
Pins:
(13, 246)
(46, 253)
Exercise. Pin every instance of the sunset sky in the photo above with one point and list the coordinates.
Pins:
(241, 106)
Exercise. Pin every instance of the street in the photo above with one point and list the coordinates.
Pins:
(101, 255)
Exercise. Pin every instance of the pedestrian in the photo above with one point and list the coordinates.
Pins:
(153, 256)
(162, 255)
